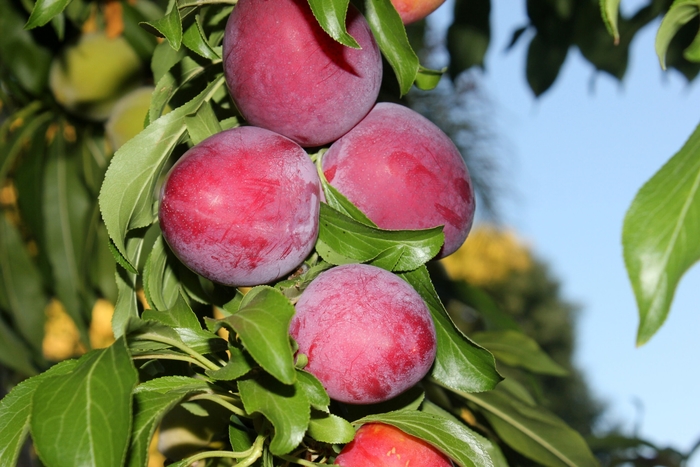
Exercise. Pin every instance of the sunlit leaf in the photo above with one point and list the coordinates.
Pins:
(44, 11)
(609, 10)
(16, 410)
(84, 417)
(329, 428)
(680, 13)
(659, 235)
(169, 26)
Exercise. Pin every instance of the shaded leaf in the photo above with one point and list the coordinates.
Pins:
(84, 417)
(533, 431)
(202, 124)
(516, 349)
(544, 60)
(285, 406)
(180, 315)
(659, 235)
(239, 364)
(454, 439)
(195, 40)
(469, 35)
(16, 410)
(14, 352)
(160, 284)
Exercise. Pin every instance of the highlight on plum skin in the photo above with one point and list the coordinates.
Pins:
(382, 445)
(241, 208)
(404, 173)
(367, 333)
(306, 86)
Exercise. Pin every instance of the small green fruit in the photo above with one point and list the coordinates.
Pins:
(89, 77)
(128, 116)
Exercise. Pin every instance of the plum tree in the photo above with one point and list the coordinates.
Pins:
(381, 445)
(415, 10)
(367, 334)
(403, 172)
(90, 76)
(241, 207)
(306, 86)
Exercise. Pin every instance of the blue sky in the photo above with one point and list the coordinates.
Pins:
(574, 159)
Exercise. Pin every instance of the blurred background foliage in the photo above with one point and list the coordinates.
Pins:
(65, 90)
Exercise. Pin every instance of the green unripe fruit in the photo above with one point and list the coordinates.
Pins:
(89, 77)
(128, 116)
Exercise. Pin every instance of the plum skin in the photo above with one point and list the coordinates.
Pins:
(381, 445)
(306, 86)
(367, 333)
(403, 172)
(415, 10)
(241, 207)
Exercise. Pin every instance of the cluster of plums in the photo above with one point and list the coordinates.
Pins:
(242, 207)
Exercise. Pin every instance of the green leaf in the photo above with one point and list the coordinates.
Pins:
(202, 124)
(659, 232)
(329, 428)
(330, 14)
(314, 391)
(285, 406)
(25, 59)
(195, 40)
(14, 352)
(16, 410)
(84, 417)
(340, 203)
(609, 10)
(460, 364)
(163, 59)
(544, 60)
(494, 318)
(428, 79)
(171, 82)
(21, 286)
(454, 439)
(469, 35)
(516, 349)
(533, 431)
(342, 240)
(126, 307)
(67, 207)
(128, 192)
(262, 324)
(180, 315)
(239, 364)
(169, 26)
(680, 13)
(44, 11)
(152, 400)
(390, 33)
(160, 284)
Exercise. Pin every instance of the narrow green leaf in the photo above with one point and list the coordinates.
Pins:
(285, 406)
(329, 428)
(21, 286)
(454, 439)
(390, 33)
(14, 147)
(692, 52)
(160, 284)
(659, 232)
(340, 203)
(609, 10)
(180, 315)
(44, 11)
(516, 349)
(16, 410)
(533, 431)
(163, 59)
(169, 26)
(460, 364)
(171, 82)
(14, 353)
(67, 207)
(343, 240)
(315, 393)
(195, 40)
(330, 14)
(494, 318)
(21, 55)
(262, 324)
(680, 13)
(126, 308)
(152, 400)
(202, 124)
(239, 364)
(84, 417)
(128, 194)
